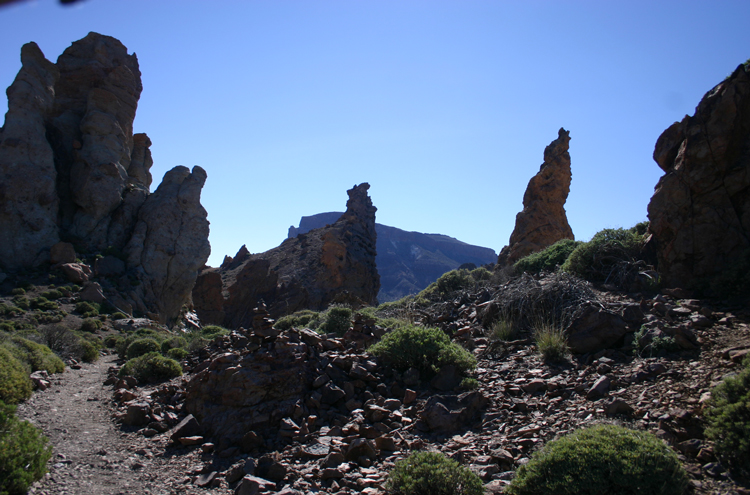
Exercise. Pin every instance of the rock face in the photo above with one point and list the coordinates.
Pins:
(72, 169)
(543, 222)
(700, 211)
(408, 261)
(332, 264)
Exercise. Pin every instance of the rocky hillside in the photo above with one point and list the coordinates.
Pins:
(408, 261)
(334, 264)
(72, 171)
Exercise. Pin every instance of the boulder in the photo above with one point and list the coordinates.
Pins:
(595, 328)
(700, 211)
(448, 412)
(543, 221)
(62, 252)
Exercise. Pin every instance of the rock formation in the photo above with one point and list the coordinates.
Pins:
(408, 261)
(700, 211)
(327, 265)
(71, 169)
(543, 222)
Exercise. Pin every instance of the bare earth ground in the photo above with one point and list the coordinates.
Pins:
(90, 454)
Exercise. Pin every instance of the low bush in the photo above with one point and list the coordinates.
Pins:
(432, 473)
(118, 315)
(729, 420)
(91, 325)
(646, 344)
(15, 384)
(151, 367)
(37, 356)
(424, 348)
(336, 319)
(173, 343)
(503, 330)
(87, 309)
(52, 294)
(110, 341)
(609, 251)
(602, 459)
(18, 291)
(212, 331)
(139, 347)
(10, 311)
(300, 319)
(89, 351)
(447, 283)
(547, 260)
(551, 341)
(61, 340)
(21, 302)
(177, 353)
(24, 452)
(43, 304)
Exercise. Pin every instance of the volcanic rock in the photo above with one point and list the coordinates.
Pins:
(70, 127)
(334, 264)
(700, 211)
(542, 222)
(408, 261)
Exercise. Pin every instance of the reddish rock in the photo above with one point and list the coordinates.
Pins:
(700, 211)
(62, 252)
(543, 221)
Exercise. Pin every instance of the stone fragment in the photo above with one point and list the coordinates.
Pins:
(92, 292)
(360, 447)
(594, 329)
(599, 389)
(186, 428)
(78, 273)
(137, 414)
(543, 221)
(448, 413)
(446, 379)
(253, 485)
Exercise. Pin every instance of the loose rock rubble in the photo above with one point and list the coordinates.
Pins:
(265, 411)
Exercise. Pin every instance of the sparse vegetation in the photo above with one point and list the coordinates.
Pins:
(336, 320)
(432, 473)
(503, 330)
(424, 348)
(602, 459)
(151, 367)
(87, 309)
(647, 345)
(608, 256)
(36, 356)
(24, 452)
(15, 384)
(729, 420)
(91, 325)
(550, 341)
(139, 347)
(547, 260)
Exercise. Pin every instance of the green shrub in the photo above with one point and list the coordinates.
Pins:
(23, 452)
(469, 384)
(729, 419)
(43, 304)
(140, 347)
(481, 274)
(643, 346)
(52, 294)
(21, 302)
(598, 259)
(173, 343)
(602, 459)
(61, 340)
(10, 311)
(151, 367)
(87, 309)
(548, 259)
(425, 348)
(91, 325)
(336, 319)
(15, 384)
(118, 315)
(212, 331)
(300, 319)
(432, 473)
(89, 351)
(18, 291)
(37, 356)
(110, 341)
(177, 353)
(448, 283)
(550, 341)
(7, 326)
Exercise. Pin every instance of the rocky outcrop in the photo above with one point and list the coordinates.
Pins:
(28, 201)
(72, 169)
(700, 211)
(408, 261)
(542, 222)
(334, 264)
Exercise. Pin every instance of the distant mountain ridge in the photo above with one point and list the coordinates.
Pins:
(408, 261)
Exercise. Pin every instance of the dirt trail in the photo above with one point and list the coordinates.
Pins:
(90, 454)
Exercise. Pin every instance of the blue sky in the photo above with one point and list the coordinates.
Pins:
(443, 107)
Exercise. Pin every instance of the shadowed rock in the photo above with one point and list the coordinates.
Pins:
(700, 211)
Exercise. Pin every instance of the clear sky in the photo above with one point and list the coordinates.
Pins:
(444, 107)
